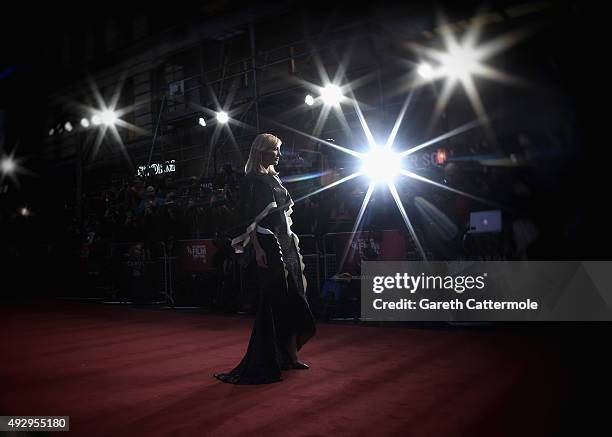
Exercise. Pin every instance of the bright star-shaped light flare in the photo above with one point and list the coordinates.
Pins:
(381, 165)
(332, 94)
(460, 63)
(425, 71)
(381, 162)
(108, 117)
(11, 167)
(222, 117)
(8, 165)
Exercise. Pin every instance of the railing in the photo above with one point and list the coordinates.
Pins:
(202, 272)
(343, 252)
(131, 272)
(206, 272)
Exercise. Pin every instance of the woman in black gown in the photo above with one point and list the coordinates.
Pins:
(284, 322)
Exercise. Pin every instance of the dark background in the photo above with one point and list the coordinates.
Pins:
(30, 69)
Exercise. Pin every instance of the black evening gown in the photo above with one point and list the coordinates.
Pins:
(265, 206)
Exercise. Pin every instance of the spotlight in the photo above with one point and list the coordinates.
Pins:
(425, 71)
(109, 117)
(441, 157)
(331, 94)
(460, 61)
(309, 100)
(96, 120)
(68, 126)
(381, 165)
(202, 122)
(51, 131)
(24, 211)
(8, 165)
(84, 122)
(222, 117)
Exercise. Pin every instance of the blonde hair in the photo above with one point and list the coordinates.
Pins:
(261, 143)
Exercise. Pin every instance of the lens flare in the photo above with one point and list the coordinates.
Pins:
(108, 117)
(222, 117)
(332, 95)
(381, 165)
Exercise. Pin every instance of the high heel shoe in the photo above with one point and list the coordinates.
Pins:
(298, 365)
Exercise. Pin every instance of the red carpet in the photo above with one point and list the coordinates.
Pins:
(125, 371)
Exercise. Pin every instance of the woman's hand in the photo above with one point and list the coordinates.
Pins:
(260, 254)
(260, 257)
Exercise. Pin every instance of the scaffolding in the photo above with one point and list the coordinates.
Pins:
(183, 85)
(176, 80)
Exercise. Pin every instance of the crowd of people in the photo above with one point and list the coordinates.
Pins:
(159, 209)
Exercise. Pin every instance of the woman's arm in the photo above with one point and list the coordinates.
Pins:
(260, 254)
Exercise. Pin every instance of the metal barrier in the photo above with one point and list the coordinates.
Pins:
(168, 276)
(329, 265)
(310, 255)
(206, 272)
(342, 255)
(203, 273)
(137, 272)
(387, 245)
(93, 260)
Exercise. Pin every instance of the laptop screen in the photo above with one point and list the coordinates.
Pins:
(485, 221)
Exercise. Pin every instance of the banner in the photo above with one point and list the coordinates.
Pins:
(389, 245)
(196, 256)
